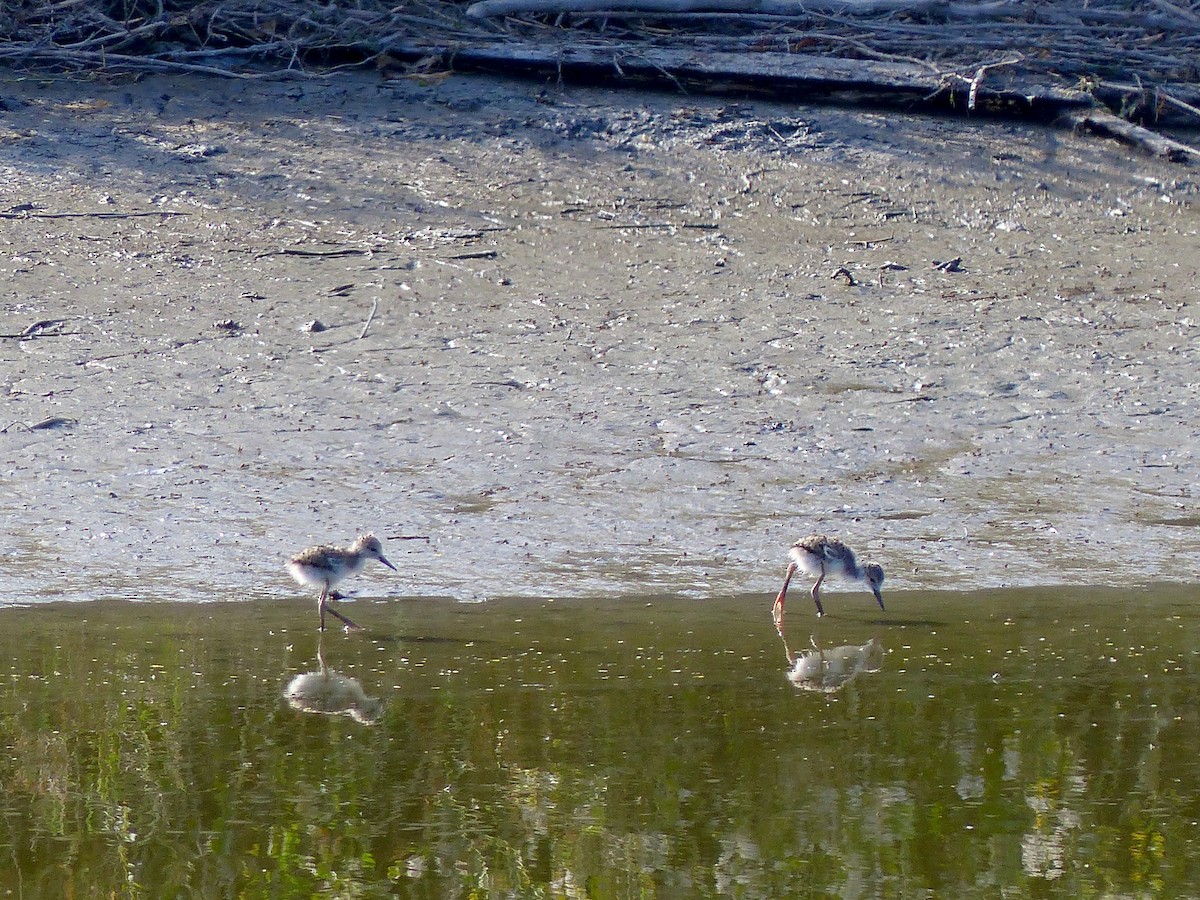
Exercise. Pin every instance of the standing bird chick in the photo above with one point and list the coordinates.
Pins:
(819, 556)
(326, 566)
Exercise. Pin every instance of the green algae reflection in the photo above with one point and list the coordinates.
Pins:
(996, 744)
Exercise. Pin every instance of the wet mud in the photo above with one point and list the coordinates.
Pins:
(578, 342)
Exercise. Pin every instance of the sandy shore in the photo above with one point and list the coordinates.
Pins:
(580, 342)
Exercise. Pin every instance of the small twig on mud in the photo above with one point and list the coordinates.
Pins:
(18, 213)
(659, 226)
(649, 226)
(318, 254)
(370, 318)
(479, 254)
(36, 329)
(44, 425)
(843, 272)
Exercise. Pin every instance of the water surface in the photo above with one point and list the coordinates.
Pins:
(1007, 743)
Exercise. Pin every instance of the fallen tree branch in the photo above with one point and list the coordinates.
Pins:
(18, 213)
(316, 254)
(1135, 57)
(942, 10)
(370, 318)
(1102, 122)
(101, 60)
(794, 76)
(1139, 97)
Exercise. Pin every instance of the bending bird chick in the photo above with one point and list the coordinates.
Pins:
(819, 556)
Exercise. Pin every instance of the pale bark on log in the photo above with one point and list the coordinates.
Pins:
(801, 78)
(941, 10)
(781, 74)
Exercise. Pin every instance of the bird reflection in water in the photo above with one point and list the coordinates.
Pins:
(332, 694)
(828, 671)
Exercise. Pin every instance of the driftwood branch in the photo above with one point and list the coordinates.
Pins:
(370, 318)
(1040, 58)
(27, 211)
(899, 84)
(1104, 123)
(794, 76)
(44, 425)
(942, 10)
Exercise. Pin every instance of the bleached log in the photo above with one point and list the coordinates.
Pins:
(941, 10)
(780, 74)
(1104, 123)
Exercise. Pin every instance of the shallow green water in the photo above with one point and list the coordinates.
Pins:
(1032, 743)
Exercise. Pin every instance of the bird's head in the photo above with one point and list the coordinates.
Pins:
(874, 576)
(369, 546)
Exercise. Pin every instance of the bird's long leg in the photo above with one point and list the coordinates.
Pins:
(777, 609)
(321, 604)
(816, 592)
(334, 612)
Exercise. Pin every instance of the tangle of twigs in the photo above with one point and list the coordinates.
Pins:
(1143, 53)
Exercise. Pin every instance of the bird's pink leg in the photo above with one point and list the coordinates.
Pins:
(323, 605)
(777, 609)
(816, 592)
(347, 622)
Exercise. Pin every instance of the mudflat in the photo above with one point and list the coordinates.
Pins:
(572, 342)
